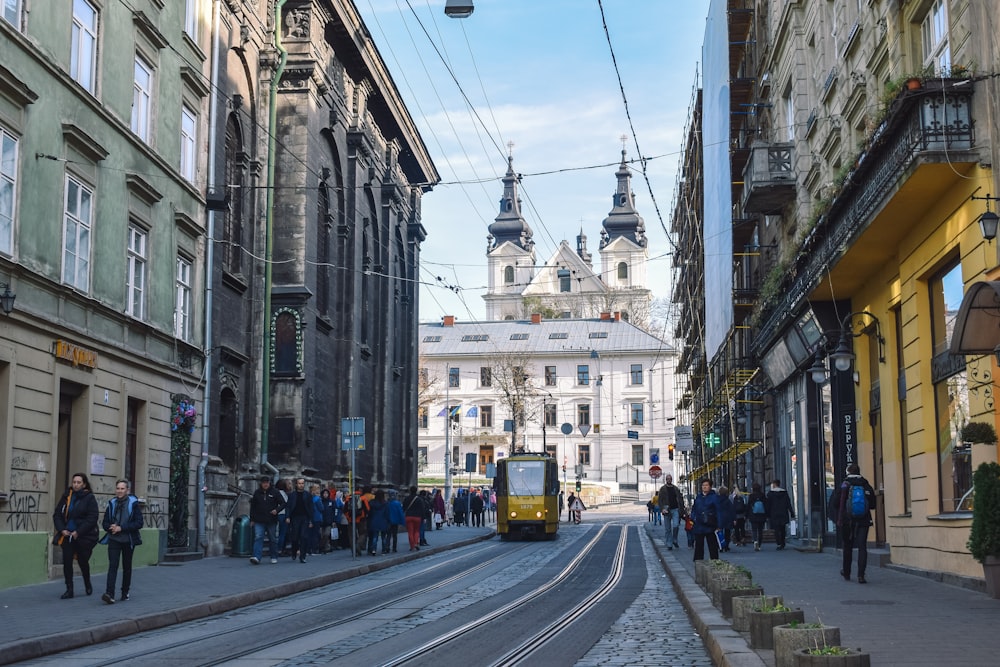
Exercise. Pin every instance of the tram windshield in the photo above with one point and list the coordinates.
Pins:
(526, 478)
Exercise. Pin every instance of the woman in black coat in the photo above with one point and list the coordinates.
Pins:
(76, 519)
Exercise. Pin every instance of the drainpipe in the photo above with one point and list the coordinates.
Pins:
(272, 124)
(213, 110)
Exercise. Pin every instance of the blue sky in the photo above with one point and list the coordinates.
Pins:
(539, 73)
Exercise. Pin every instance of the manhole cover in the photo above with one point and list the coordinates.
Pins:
(868, 602)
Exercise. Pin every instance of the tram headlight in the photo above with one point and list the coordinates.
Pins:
(513, 514)
(538, 515)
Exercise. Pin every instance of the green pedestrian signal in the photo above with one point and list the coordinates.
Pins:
(579, 486)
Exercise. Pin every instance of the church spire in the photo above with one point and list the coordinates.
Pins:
(581, 247)
(624, 220)
(509, 225)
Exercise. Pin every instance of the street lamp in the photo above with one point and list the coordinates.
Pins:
(843, 357)
(7, 299)
(459, 9)
(989, 220)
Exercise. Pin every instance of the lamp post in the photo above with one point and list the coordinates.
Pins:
(989, 220)
(7, 299)
(447, 432)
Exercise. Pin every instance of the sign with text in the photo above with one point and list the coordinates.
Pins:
(684, 438)
(352, 434)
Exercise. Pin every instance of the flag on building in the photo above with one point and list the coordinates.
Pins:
(443, 412)
(457, 410)
(473, 411)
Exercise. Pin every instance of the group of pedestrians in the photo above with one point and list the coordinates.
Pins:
(76, 532)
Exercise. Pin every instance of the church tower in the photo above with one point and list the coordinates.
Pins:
(624, 252)
(510, 253)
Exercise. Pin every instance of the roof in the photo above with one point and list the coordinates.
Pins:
(558, 336)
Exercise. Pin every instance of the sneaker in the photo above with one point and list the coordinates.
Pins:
(123, 598)
(676, 546)
(108, 598)
(254, 560)
(274, 561)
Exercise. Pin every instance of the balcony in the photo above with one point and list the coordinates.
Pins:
(769, 177)
(922, 147)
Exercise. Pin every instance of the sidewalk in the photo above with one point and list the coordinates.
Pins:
(35, 622)
(898, 618)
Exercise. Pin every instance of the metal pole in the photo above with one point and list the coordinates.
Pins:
(447, 439)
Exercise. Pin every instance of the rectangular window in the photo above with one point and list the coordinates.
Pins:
(135, 273)
(583, 414)
(189, 125)
(453, 377)
(563, 275)
(636, 373)
(142, 95)
(486, 416)
(583, 374)
(934, 36)
(636, 414)
(583, 455)
(76, 234)
(12, 13)
(552, 451)
(182, 312)
(83, 44)
(519, 376)
(485, 376)
(8, 190)
(422, 420)
(551, 417)
(550, 376)
(637, 456)
(191, 18)
(951, 391)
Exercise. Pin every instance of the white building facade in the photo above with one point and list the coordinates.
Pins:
(597, 393)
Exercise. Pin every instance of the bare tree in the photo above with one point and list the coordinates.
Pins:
(511, 380)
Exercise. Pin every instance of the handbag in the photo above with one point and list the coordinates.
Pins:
(334, 533)
(437, 517)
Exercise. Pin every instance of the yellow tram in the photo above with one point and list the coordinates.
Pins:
(527, 488)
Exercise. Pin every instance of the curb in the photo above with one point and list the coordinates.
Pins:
(726, 647)
(37, 647)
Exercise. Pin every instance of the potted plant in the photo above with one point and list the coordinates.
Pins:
(764, 619)
(978, 433)
(739, 585)
(744, 604)
(790, 637)
(841, 656)
(984, 538)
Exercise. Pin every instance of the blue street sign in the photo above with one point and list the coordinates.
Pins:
(352, 433)
(633, 435)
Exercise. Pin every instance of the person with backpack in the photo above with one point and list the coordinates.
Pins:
(706, 512)
(740, 522)
(857, 498)
(757, 514)
(779, 511)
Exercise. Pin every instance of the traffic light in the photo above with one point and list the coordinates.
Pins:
(579, 486)
(670, 451)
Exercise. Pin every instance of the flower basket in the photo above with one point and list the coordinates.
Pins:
(791, 637)
(849, 657)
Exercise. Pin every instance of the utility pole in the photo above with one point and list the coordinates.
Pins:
(447, 434)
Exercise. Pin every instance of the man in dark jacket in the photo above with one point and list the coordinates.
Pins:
(299, 517)
(779, 512)
(265, 505)
(857, 498)
(76, 519)
(672, 506)
(122, 521)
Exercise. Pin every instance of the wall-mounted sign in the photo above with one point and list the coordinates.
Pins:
(76, 355)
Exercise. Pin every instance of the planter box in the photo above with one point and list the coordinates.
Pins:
(701, 570)
(762, 624)
(991, 573)
(854, 658)
(726, 596)
(727, 581)
(743, 605)
(788, 639)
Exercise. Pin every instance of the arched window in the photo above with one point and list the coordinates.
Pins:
(622, 271)
(508, 275)
(232, 216)
(286, 344)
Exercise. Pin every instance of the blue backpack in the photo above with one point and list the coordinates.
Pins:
(857, 502)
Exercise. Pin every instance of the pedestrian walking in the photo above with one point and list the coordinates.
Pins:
(329, 517)
(75, 520)
(437, 504)
(413, 509)
(739, 500)
(727, 518)
(397, 519)
(706, 514)
(476, 507)
(757, 514)
(562, 504)
(779, 512)
(122, 521)
(378, 524)
(857, 498)
(425, 524)
(569, 506)
(284, 489)
(266, 504)
(299, 517)
(672, 507)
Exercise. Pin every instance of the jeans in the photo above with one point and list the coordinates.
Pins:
(855, 536)
(259, 530)
(116, 551)
(757, 530)
(671, 526)
(657, 517)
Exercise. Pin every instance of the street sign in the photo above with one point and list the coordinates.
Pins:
(585, 429)
(684, 438)
(655, 472)
(566, 428)
(633, 435)
(352, 433)
(654, 455)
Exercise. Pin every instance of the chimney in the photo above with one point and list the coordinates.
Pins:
(618, 316)
(605, 316)
(448, 320)
(536, 318)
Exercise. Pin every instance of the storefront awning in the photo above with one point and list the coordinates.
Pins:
(977, 327)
